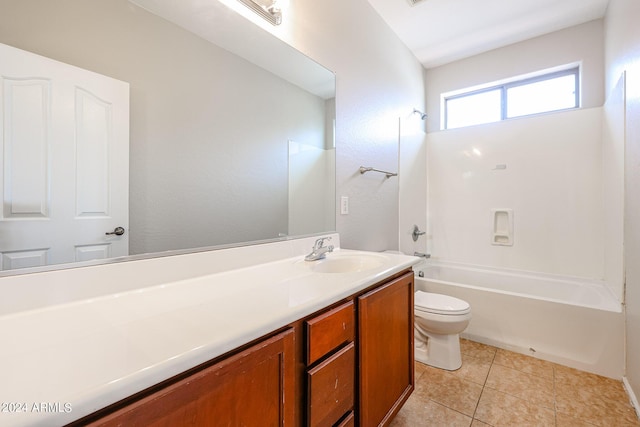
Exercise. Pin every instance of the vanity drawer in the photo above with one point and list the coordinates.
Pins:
(331, 388)
(329, 330)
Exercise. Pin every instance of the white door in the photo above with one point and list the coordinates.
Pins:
(64, 162)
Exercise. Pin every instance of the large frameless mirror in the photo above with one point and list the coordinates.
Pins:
(159, 120)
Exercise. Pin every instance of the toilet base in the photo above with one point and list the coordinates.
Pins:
(439, 351)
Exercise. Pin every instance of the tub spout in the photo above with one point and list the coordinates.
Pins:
(420, 254)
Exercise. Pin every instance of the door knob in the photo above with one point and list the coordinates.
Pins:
(118, 231)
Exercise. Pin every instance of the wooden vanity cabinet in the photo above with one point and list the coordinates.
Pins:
(383, 369)
(251, 388)
(350, 364)
(385, 341)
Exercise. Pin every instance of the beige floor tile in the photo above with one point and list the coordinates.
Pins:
(572, 379)
(473, 369)
(445, 388)
(534, 389)
(500, 409)
(477, 423)
(610, 420)
(480, 351)
(418, 412)
(591, 407)
(524, 363)
(563, 420)
(592, 398)
(502, 388)
(589, 395)
(418, 369)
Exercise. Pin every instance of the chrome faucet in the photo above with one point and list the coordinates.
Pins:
(319, 250)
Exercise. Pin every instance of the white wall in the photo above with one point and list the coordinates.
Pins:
(622, 46)
(580, 43)
(552, 182)
(379, 81)
(613, 115)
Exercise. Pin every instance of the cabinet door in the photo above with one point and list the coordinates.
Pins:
(251, 388)
(385, 335)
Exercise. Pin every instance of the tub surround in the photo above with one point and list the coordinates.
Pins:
(93, 348)
(552, 232)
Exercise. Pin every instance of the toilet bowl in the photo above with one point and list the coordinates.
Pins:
(439, 319)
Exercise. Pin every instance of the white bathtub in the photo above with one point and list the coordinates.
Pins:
(570, 321)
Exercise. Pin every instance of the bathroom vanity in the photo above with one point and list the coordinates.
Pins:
(305, 374)
(281, 342)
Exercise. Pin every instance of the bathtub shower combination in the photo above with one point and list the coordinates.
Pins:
(572, 321)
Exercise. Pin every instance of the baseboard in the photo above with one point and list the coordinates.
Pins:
(632, 395)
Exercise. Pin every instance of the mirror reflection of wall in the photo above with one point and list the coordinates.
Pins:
(209, 130)
(311, 183)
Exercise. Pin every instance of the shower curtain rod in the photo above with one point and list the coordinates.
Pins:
(364, 169)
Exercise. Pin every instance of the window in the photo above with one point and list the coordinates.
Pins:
(541, 94)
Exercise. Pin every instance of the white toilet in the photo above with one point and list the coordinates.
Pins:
(439, 319)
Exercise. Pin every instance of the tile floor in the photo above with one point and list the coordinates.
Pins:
(495, 387)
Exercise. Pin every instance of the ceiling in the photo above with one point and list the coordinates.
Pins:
(442, 31)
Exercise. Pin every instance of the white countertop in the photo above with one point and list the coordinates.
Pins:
(80, 356)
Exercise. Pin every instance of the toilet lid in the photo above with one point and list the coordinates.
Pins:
(440, 304)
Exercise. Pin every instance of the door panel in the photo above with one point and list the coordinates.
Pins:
(89, 252)
(26, 130)
(93, 126)
(65, 161)
(23, 259)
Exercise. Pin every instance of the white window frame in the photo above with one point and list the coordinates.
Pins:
(503, 86)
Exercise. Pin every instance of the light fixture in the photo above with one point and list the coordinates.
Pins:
(271, 10)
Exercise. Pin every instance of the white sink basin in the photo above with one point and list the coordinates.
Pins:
(351, 263)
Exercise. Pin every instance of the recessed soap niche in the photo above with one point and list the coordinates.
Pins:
(502, 227)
